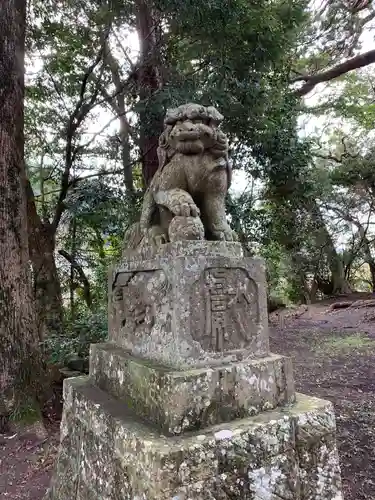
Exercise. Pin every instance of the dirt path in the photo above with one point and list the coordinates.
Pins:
(25, 466)
(27, 455)
(334, 358)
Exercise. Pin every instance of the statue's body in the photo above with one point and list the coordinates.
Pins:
(186, 198)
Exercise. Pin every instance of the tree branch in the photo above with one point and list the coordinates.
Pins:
(82, 276)
(116, 171)
(75, 180)
(133, 67)
(362, 231)
(80, 112)
(327, 157)
(311, 81)
(358, 5)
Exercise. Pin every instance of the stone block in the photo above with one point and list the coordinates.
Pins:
(256, 458)
(194, 304)
(179, 401)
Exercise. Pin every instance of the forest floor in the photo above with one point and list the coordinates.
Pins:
(334, 357)
(333, 353)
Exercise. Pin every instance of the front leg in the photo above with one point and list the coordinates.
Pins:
(214, 217)
(178, 202)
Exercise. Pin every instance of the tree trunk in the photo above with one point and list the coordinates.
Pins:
(335, 263)
(298, 279)
(367, 253)
(313, 291)
(20, 354)
(339, 283)
(72, 282)
(47, 290)
(118, 105)
(364, 243)
(372, 272)
(149, 82)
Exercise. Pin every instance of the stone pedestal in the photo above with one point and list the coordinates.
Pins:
(194, 303)
(185, 401)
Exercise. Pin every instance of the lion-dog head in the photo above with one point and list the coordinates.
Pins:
(189, 129)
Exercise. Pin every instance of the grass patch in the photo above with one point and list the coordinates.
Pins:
(356, 342)
(28, 413)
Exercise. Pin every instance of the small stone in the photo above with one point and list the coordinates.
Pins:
(224, 434)
(185, 228)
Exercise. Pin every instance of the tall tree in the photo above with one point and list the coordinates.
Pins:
(148, 22)
(20, 354)
(331, 42)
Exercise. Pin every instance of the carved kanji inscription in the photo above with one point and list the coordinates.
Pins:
(137, 297)
(224, 309)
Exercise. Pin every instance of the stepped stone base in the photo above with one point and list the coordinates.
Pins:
(178, 401)
(107, 454)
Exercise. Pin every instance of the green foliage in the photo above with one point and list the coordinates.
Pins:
(333, 32)
(250, 86)
(87, 328)
(277, 272)
(26, 413)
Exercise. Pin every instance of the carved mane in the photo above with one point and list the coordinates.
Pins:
(188, 111)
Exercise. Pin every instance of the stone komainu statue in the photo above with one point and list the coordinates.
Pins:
(186, 197)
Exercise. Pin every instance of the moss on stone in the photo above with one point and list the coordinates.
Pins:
(265, 456)
(180, 401)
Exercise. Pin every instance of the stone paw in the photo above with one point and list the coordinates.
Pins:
(224, 234)
(184, 207)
